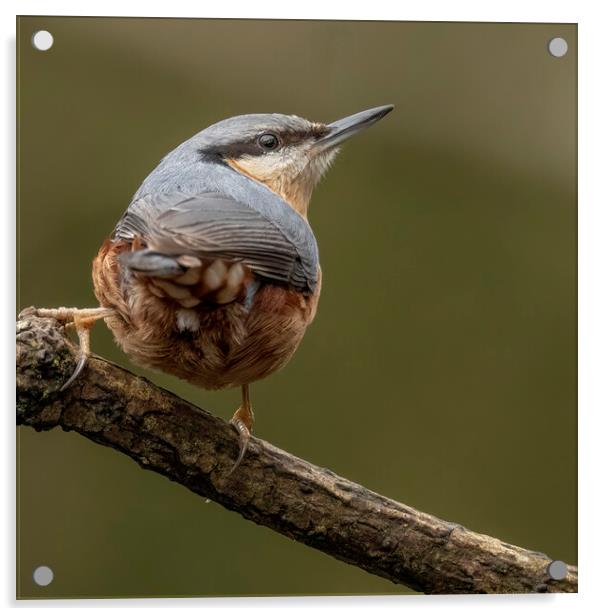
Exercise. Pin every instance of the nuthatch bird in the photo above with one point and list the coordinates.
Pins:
(212, 273)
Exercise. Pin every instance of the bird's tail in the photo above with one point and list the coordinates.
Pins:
(155, 264)
(189, 279)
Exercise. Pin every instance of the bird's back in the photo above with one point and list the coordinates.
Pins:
(212, 206)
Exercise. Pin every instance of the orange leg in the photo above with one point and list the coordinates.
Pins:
(82, 319)
(243, 422)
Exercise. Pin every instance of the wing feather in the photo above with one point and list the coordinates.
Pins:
(215, 226)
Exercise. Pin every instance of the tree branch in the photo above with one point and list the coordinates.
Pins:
(163, 433)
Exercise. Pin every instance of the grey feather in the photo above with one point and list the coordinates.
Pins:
(214, 226)
(193, 203)
(152, 263)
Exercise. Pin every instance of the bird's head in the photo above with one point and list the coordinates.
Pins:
(286, 153)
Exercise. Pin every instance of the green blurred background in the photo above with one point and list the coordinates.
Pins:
(441, 368)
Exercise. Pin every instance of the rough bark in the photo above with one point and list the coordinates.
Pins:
(163, 433)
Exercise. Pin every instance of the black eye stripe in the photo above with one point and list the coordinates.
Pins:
(249, 145)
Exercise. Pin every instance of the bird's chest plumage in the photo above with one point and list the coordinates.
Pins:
(210, 344)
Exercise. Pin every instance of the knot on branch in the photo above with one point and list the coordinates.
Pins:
(45, 359)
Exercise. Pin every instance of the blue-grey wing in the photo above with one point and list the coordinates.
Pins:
(215, 226)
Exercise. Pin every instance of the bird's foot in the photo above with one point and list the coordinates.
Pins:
(242, 421)
(82, 320)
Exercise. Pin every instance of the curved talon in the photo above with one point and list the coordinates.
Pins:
(81, 362)
(82, 319)
(244, 435)
(243, 423)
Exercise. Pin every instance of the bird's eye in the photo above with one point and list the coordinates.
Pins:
(268, 141)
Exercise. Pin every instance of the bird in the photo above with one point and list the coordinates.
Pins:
(212, 274)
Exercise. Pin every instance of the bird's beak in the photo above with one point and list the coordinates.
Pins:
(349, 126)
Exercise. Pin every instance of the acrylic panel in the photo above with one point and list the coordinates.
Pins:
(440, 368)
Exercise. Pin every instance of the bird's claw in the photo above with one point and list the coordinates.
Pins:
(244, 435)
(243, 424)
(82, 320)
(81, 363)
